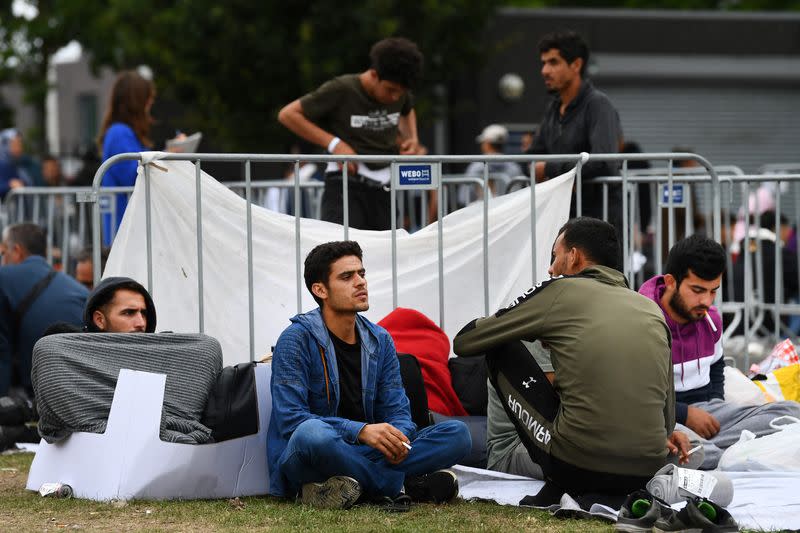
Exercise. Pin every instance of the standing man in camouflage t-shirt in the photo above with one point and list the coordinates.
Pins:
(363, 114)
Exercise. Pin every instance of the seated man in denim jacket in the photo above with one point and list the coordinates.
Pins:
(341, 426)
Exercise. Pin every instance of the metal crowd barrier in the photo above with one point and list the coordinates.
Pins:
(246, 159)
(755, 297)
(61, 211)
(66, 217)
(717, 192)
(734, 189)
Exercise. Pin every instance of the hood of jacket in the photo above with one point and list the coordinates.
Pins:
(604, 274)
(109, 285)
(691, 341)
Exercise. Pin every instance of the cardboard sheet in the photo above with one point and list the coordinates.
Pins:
(129, 461)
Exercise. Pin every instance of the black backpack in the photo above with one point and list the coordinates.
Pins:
(468, 376)
(232, 407)
(411, 374)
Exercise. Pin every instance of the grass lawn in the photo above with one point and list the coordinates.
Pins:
(22, 511)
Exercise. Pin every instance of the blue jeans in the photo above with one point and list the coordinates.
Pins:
(316, 452)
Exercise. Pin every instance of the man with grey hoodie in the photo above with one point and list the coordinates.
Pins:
(119, 305)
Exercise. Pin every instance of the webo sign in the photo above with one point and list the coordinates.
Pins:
(416, 175)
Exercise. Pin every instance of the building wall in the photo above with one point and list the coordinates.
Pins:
(81, 100)
(724, 83)
(78, 99)
(24, 116)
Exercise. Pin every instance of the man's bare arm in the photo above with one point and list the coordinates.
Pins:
(293, 118)
(407, 125)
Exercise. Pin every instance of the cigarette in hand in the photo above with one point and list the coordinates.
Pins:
(713, 327)
(404, 443)
(690, 452)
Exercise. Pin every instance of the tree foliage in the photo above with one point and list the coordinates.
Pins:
(728, 5)
(234, 64)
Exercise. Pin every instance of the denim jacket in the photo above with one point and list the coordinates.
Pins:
(305, 385)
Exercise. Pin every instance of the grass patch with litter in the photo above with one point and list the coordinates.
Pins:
(22, 510)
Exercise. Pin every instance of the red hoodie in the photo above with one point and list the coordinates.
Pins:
(416, 334)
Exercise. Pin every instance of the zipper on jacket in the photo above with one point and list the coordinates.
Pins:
(325, 370)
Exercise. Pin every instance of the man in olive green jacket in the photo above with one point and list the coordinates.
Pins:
(605, 424)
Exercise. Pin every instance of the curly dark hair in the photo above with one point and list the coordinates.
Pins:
(319, 260)
(398, 60)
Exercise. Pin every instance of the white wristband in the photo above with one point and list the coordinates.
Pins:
(333, 144)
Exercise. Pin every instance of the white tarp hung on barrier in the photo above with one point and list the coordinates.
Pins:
(224, 259)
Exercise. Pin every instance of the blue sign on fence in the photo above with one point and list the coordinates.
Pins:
(416, 175)
(679, 194)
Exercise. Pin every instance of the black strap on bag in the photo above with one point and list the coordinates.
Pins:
(27, 301)
(18, 314)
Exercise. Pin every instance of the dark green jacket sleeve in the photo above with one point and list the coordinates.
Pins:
(524, 319)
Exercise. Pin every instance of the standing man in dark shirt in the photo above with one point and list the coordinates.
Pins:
(579, 119)
(341, 423)
(363, 114)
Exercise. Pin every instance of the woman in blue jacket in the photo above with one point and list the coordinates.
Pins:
(126, 128)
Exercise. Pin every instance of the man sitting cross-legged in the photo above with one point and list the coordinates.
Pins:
(685, 295)
(605, 424)
(341, 424)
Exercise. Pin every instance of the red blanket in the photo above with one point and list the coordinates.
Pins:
(416, 334)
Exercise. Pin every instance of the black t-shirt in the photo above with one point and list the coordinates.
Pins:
(342, 107)
(348, 361)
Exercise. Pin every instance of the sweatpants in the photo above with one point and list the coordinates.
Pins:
(506, 363)
(733, 419)
(518, 462)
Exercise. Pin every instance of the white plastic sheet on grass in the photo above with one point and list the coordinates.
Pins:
(175, 261)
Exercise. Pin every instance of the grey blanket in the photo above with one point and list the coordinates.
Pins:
(74, 376)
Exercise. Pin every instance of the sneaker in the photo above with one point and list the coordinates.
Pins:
(337, 492)
(640, 511)
(438, 487)
(699, 515)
